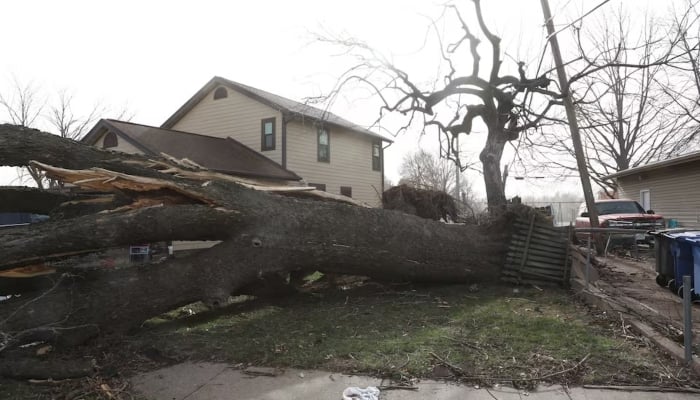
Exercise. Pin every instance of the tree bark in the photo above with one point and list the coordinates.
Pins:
(31, 200)
(264, 234)
(490, 158)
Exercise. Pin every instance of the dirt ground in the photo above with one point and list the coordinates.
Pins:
(635, 278)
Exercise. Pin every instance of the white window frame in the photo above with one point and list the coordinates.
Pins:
(646, 207)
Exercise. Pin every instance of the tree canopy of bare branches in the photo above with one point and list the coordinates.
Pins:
(462, 101)
(26, 104)
(686, 94)
(423, 170)
(627, 119)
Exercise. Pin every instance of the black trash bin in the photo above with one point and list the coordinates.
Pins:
(665, 272)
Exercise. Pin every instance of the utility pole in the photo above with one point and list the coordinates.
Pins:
(457, 172)
(571, 116)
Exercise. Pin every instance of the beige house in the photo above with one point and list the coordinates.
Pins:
(669, 187)
(327, 151)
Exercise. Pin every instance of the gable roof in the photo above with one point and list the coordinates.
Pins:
(217, 154)
(684, 159)
(272, 100)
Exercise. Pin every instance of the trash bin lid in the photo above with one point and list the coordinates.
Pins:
(673, 233)
(690, 236)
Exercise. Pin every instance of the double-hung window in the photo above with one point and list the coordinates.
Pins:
(324, 145)
(267, 134)
(376, 156)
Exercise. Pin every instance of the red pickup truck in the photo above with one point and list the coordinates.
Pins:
(621, 213)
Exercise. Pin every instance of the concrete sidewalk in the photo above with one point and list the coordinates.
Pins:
(214, 381)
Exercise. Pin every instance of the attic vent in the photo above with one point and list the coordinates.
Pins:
(110, 140)
(220, 93)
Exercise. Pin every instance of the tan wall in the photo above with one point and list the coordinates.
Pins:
(122, 145)
(350, 161)
(237, 116)
(674, 192)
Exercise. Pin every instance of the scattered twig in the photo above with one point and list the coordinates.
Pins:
(462, 374)
(583, 360)
(262, 372)
(644, 388)
(397, 387)
(491, 394)
(467, 344)
(408, 360)
(447, 364)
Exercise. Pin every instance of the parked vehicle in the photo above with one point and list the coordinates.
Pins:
(621, 214)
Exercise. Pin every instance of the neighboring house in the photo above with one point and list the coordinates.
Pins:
(669, 187)
(327, 151)
(224, 155)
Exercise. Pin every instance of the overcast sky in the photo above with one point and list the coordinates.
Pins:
(151, 56)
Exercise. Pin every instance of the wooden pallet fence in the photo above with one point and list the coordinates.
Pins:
(538, 254)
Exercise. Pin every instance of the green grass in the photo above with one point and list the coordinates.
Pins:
(492, 334)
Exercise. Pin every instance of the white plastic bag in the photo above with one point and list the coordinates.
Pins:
(356, 393)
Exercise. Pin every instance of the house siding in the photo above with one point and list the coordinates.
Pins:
(235, 116)
(350, 160)
(122, 145)
(674, 191)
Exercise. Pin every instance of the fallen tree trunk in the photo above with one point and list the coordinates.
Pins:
(31, 200)
(264, 234)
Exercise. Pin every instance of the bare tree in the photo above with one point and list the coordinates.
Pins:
(23, 105)
(26, 105)
(463, 100)
(66, 123)
(685, 88)
(423, 170)
(627, 119)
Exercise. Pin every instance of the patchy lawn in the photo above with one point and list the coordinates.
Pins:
(490, 335)
(493, 334)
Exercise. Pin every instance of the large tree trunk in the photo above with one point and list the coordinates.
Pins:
(263, 234)
(490, 157)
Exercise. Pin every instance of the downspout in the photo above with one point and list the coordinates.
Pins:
(284, 140)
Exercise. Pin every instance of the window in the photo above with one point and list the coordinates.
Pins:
(346, 191)
(324, 147)
(318, 186)
(267, 134)
(220, 93)
(645, 199)
(110, 140)
(376, 156)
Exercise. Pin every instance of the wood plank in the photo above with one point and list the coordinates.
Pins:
(517, 253)
(542, 230)
(542, 239)
(547, 258)
(549, 249)
(523, 257)
(542, 267)
(552, 266)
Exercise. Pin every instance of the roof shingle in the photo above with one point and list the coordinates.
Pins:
(217, 154)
